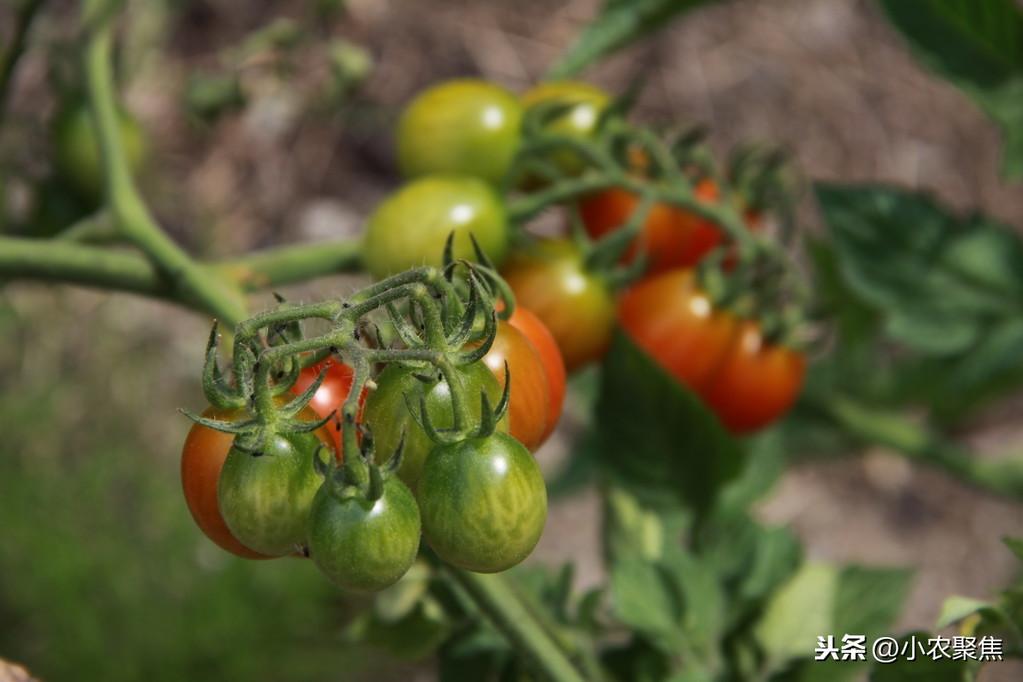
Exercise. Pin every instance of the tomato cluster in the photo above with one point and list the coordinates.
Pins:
(431, 446)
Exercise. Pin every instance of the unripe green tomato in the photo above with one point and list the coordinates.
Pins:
(363, 545)
(265, 497)
(387, 415)
(465, 126)
(483, 503)
(77, 153)
(409, 228)
(580, 121)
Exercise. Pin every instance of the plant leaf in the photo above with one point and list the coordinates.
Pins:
(978, 46)
(657, 439)
(798, 613)
(619, 23)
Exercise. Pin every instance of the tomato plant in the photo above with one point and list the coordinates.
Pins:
(388, 416)
(551, 280)
(409, 228)
(364, 544)
(465, 127)
(748, 382)
(483, 503)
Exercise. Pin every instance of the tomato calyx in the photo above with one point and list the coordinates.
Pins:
(360, 476)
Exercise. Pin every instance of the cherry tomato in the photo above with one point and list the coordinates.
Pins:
(202, 459)
(265, 496)
(530, 389)
(554, 366)
(483, 503)
(576, 306)
(409, 228)
(579, 121)
(77, 152)
(464, 126)
(747, 383)
(671, 237)
(364, 545)
(670, 318)
(331, 394)
(388, 418)
(756, 383)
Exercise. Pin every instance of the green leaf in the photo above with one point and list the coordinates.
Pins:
(619, 23)
(657, 439)
(978, 46)
(1015, 545)
(922, 669)
(704, 603)
(867, 602)
(957, 608)
(798, 613)
(645, 598)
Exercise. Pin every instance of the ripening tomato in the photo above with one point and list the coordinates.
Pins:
(463, 126)
(747, 382)
(483, 503)
(410, 227)
(202, 459)
(577, 306)
(331, 394)
(529, 397)
(77, 151)
(671, 237)
(580, 121)
(540, 336)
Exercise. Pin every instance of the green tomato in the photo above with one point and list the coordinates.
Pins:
(77, 153)
(580, 121)
(265, 497)
(483, 503)
(387, 415)
(465, 126)
(410, 227)
(364, 545)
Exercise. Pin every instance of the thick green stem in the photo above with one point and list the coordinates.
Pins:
(917, 443)
(190, 281)
(71, 262)
(506, 611)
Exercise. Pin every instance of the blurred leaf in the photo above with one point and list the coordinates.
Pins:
(927, 305)
(978, 46)
(704, 604)
(957, 608)
(797, 613)
(646, 599)
(619, 23)
(1015, 545)
(657, 440)
(867, 602)
(923, 668)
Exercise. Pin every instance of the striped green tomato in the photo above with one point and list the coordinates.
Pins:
(483, 503)
(364, 545)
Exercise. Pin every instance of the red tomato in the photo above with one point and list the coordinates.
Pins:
(671, 237)
(537, 332)
(723, 359)
(576, 305)
(756, 383)
(530, 388)
(202, 458)
(331, 394)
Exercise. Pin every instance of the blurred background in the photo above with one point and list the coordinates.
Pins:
(103, 575)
